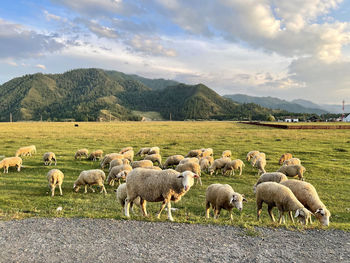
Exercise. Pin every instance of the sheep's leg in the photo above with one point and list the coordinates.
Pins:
(207, 208)
(233, 172)
(92, 189)
(85, 192)
(60, 187)
(127, 207)
(161, 209)
(231, 216)
(216, 213)
(281, 219)
(143, 207)
(259, 209)
(240, 171)
(291, 216)
(52, 191)
(269, 210)
(199, 180)
(170, 217)
(103, 188)
(18, 168)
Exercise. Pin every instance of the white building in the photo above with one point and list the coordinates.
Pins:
(347, 119)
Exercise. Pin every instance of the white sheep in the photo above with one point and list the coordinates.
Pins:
(89, 178)
(126, 149)
(222, 196)
(209, 158)
(10, 162)
(293, 170)
(143, 151)
(270, 177)
(307, 195)
(121, 195)
(226, 154)
(114, 173)
(292, 161)
(25, 151)
(194, 153)
(155, 158)
(256, 157)
(206, 152)
(129, 155)
(109, 157)
(218, 164)
(81, 152)
(172, 160)
(204, 164)
(251, 154)
(284, 157)
(117, 162)
(141, 164)
(157, 186)
(95, 155)
(190, 166)
(48, 157)
(260, 164)
(232, 166)
(275, 194)
(154, 150)
(189, 159)
(55, 177)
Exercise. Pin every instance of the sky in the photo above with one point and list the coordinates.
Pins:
(295, 49)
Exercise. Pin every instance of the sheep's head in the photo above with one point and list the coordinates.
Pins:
(187, 179)
(122, 175)
(237, 201)
(303, 214)
(323, 215)
(76, 187)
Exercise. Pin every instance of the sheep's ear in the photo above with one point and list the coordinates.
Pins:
(244, 199)
(296, 214)
(74, 186)
(180, 176)
(320, 211)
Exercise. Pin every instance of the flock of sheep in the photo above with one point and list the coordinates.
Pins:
(148, 183)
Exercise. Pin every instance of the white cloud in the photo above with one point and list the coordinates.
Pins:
(50, 16)
(149, 46)
(40, 66)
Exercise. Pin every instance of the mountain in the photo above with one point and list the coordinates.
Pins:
(96, 94)
(275, 103)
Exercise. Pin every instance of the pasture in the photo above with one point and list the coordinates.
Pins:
(324, 153)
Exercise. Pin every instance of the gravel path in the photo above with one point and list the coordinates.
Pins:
(102, 240)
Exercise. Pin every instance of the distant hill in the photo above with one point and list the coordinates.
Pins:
(275, 103)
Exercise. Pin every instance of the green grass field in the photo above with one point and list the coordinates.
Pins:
(324, 153)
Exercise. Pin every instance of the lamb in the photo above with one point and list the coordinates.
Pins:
(293, 170)
(154, 150)
(126, 149)
(95, 155)
(222, 196)
(275, 194)
(143, 151)
(206, 152)
(254, 160)
(117, 162)
(172, 160)
(218, 164)
(48, 157)
(234, 165)
(10, 162)
(121, 196)
(270, 177)
(114, 173)
(55, 177)
(25, 151)
(141, 164)
(251, 154)
(189, 166)
(226, 154)
(284, 157)
(260, 164)
(80, 153)
(204, 164)
(194, 153)
(307, 195)
(293, 161)
(89, 178)
(109, 157)
(189, 159)
(129, 155)
(157, 186)
(154, 158)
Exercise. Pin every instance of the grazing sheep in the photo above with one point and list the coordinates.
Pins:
(284, 157)
(189, 166)
(251, 154)
(80, 153)
(293, 161)
(204, 164)
(222, 196)
(121, 196)
(154, 158)
(293, 170)
(275, 194)
(48, 157)
(173, 160)
(10, 162)
(95, 155)
(218, 164)
(129, 155)
(55, 177)
(109, 157)
(194, 153)
(209, 158)
(154, 150)
(189, 159)
(143, 151)
(89, 178)
(25, 151)
(206, 152)
(126, 149)
(117, 162)
(113, 173)
(226, 154)
(157, 186)
(270, 177)
(232, 166)
(260, 164)
(254, 160)
(141, 164)
(153, 168)
(307, 195)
